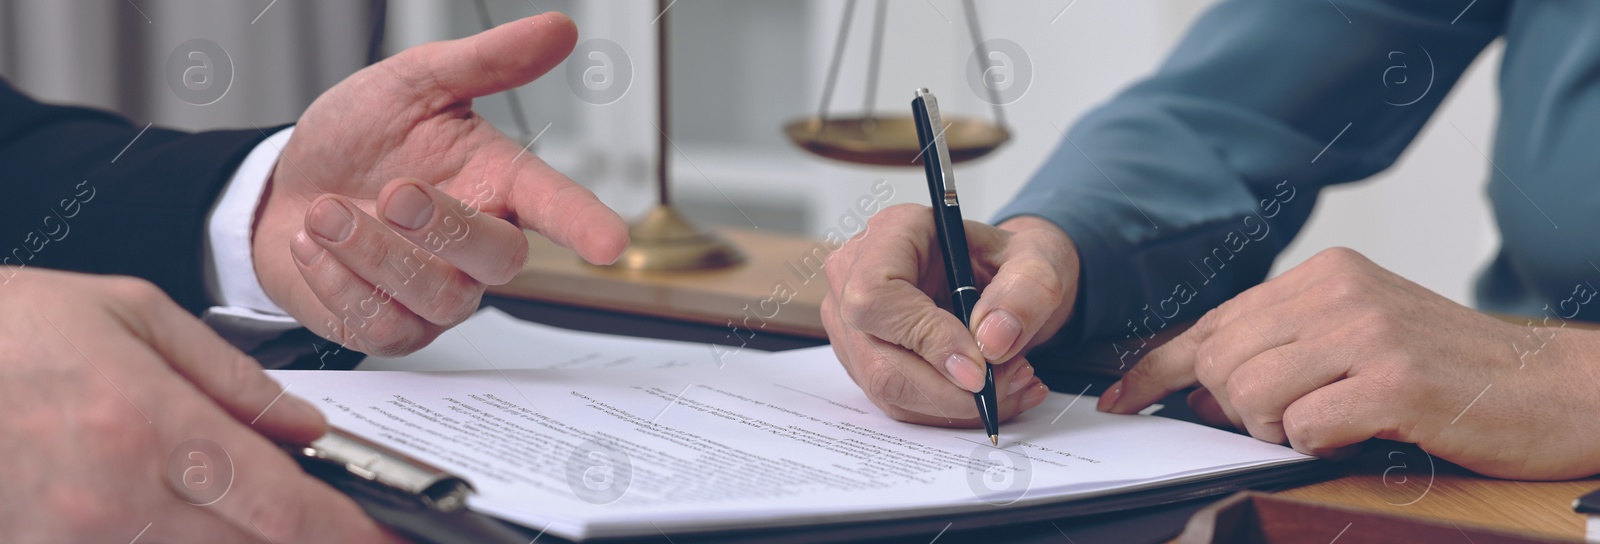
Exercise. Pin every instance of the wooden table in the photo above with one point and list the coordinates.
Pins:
(778, 289)
(1388, 477)
(1401, 479)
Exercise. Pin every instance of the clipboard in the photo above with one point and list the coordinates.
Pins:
(417, 500)
(429, 505)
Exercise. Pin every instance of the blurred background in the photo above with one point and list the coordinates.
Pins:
(739, 71)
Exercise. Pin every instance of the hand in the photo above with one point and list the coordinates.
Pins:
(912, 357)
(394, 204)
(103, 379)
(1339, 350)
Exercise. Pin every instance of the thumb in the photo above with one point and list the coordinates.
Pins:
(1034, 285)
(501, 58)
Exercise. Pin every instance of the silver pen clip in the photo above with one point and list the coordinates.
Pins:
(941, 149)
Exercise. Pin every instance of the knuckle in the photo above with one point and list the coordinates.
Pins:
(1241, 395)
(832, 322)
(407, 66)
(91, 511)
(1039, 280)
(924, 335)
(898, 213)
(888, 385)
(236, 377)
(138, 291)
(836, 264)
(1339, 257)
(1374, 330)
(1303, 434)
(1144, 370)
(281, 519)
(1397, 385)
(856, 301)
(1213, 318)
(369, 250)
(1342, 289)
(1206, 370)
(109, 424)
(900, 414)
(512, 265)
(453, 304)
(392, 335)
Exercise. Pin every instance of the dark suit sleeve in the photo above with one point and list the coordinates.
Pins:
(89, 191)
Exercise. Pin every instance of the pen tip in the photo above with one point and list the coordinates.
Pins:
(994, 439)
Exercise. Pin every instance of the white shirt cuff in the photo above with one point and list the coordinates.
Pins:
(230, 266)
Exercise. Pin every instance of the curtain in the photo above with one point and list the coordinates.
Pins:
(192, 64)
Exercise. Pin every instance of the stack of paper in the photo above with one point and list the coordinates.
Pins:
(775, 440)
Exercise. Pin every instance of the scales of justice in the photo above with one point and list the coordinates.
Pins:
(665, 240)
(674, 268)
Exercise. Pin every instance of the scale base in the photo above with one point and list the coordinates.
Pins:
(665, 241)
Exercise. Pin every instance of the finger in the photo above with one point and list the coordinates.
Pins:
(1340, 414)
(896, 312)
(1032, 394)
(487, 248)
(1173, 366)
(901, 384)
(1264, 387)
(177, 522)
(264, 491)
(427, 285)
(499, 59)
(1211, 411)
(357, 314)
(1165, 370)
(496, 60)
(1229, 345)
(220, 371)
(1028, 289)
(896, 243)
(546, 201)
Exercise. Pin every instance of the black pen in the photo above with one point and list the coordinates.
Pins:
(952, 239)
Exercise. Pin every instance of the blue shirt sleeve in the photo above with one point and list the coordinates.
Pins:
(1181, 190)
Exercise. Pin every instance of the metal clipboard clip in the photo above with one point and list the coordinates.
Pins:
(387, 472)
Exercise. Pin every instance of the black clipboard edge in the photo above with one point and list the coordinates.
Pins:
(1268, 479)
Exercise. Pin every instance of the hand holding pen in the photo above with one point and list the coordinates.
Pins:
(916, 360)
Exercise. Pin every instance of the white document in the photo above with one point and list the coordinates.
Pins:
(492, 339)
(786, 439)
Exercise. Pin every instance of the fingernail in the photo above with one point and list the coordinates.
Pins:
(409, 207)
(1022, 379)
(966, 373)
(1108, 401)
(998, 333)
(305, 251)
(1035, 396)
(331, 220)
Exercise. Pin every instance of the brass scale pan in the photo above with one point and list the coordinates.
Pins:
(890, 140)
